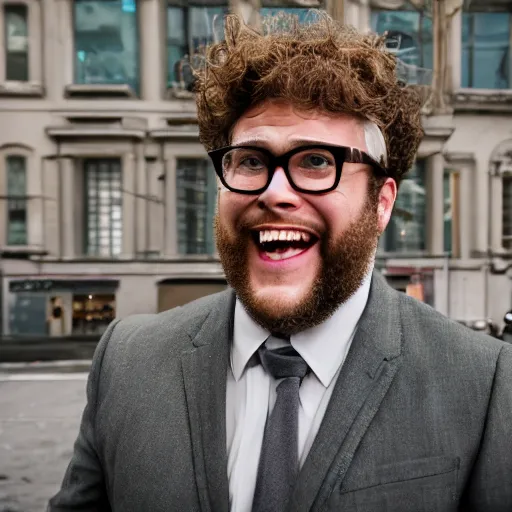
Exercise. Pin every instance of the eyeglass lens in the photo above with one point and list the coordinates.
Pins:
(248, 169)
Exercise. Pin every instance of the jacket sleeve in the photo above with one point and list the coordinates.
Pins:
(83, 487)
(490, 486)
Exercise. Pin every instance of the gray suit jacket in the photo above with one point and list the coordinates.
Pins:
(420, 418)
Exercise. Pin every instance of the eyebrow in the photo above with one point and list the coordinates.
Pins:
(264, 143)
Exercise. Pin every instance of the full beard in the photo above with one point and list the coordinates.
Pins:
(345, 262)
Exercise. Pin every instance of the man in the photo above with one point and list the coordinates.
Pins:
(311, 384)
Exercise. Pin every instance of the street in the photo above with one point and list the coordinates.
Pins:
(39, 419)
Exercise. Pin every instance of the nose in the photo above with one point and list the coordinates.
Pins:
(279, 193)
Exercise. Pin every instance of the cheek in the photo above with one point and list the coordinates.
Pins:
(230, 206)
(339, 212)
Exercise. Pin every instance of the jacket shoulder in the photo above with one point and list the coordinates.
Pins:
(180, 323)
(431, 328)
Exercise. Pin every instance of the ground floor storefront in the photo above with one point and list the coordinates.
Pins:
(78, 300)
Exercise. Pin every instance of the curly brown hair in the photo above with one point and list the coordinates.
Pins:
(323, 65)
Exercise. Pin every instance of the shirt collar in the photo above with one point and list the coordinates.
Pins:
(324, 347)
(247, 338)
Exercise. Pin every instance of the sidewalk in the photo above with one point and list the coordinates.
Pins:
(39, 420)
(67, 366)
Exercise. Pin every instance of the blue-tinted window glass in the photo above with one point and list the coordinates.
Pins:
(406, 231)
(486, 50)
(189, 29)
(302, 13)
(409, 37)
(106, 42)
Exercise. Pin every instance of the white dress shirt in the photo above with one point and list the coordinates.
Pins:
(251, 393)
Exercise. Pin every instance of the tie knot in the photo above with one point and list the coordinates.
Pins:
(283, 362)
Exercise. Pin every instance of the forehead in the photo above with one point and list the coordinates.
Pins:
(279, 124)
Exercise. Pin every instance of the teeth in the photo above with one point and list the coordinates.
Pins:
(283, 235)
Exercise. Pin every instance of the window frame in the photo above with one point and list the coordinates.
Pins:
(10, 198)
(32, 220)
(34, 85)
(86, 210)
(74, 89)
(211, 188)
(385, 243)
(185, 6)
(421, 20)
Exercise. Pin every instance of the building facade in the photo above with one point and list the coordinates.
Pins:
(107, 197)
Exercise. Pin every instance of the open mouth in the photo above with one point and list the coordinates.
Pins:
(282, 244)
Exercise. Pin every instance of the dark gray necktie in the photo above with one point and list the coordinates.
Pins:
(278, 466)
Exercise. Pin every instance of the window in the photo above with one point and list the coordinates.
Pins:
(302, 13)
(189, 29)
(16, 42)
(92, 313)
(103, 205)
(486, 50)
(406, 228)
(106, 42)
(507, 211)
(196, 193)
(409, 37)
(16, 200)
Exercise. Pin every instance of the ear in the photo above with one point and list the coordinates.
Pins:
(387, 196)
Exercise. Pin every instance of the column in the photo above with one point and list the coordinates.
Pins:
(142, 202)
(64, 54)
(455, 49)
(155, 217)
(496, 213)
(336, 9)
(51, 202)
(249, 10)
(51, 49)
(35, 59)
(465, 215)
(67, 176)
(151, 62)
(481, 209)
(435, 204)
(3, 202)
(129, 206)
(352, 14)
(170, 217)
(364, 16)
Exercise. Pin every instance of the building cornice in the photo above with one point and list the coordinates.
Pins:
(483, 100)
(71, 132)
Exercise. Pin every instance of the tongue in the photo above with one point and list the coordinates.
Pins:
(284, 253)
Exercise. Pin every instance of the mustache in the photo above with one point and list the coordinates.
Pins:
(250, 221)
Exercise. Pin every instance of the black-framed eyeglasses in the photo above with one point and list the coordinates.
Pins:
(312, 169)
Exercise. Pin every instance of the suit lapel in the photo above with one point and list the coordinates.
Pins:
(204, 372)
(364, 379)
